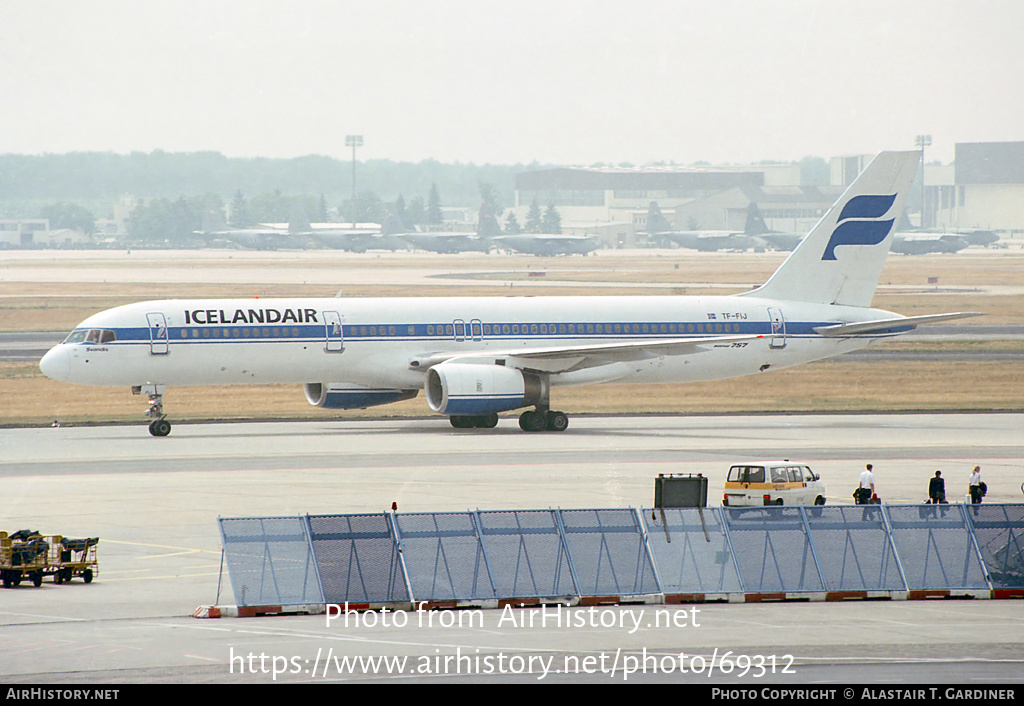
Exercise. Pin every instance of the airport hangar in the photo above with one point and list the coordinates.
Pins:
(982, 189)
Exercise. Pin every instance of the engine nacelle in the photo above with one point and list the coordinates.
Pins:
(466, 389)
(342, 395)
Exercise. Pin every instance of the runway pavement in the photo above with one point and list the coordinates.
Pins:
(155, 502)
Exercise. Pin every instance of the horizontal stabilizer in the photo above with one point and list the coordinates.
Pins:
(900, 324)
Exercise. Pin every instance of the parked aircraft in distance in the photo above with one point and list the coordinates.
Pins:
(214, 228)
(920, 243)
(358, 239)
(449, 243)
(710, 240)
(548, 244)
(984, 238)
(774, 239)
(476, 357)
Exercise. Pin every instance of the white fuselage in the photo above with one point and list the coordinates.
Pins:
(375, 342)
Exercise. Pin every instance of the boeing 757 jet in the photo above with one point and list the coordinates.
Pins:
(476, 357)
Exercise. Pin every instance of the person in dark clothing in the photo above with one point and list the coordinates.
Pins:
(937, 489)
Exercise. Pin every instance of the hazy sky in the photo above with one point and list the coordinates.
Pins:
(571, 82)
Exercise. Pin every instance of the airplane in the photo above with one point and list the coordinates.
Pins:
(910, 240)
(447, 243)
(476, 357)
(920, 243)
(450, 243)
(357, 240)
(984, 238)
(214, 227)
(548, 244)
(774, 239)
(710, 240)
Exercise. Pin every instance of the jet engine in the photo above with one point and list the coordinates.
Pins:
(465, 389)
(340, 395)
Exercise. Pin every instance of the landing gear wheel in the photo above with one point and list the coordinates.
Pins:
(486, 421)
(160, 427)
(557, 421)
(532, 421)
(460, 421)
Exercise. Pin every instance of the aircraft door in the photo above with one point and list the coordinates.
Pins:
(778, 328)
(460, 330)
(334, 341)
(477, 329)
(158, 337)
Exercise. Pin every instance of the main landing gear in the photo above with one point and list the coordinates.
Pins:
(530, 420)
(159, 426)
(537, 420)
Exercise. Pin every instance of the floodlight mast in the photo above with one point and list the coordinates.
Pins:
(923, 141)
(354, 141)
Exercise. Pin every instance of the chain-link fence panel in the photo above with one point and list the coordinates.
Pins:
(854, 549)
(444, 557)
(526, 554)
(935, 547)
(691, 550)
(608, 552)
(773, 550)
(357, 557)
(1000, 533)
(270, 561)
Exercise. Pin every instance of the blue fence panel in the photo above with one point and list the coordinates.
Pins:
(1000, 533)
(358, 558)
(854, 549)
(444, 557)
(608, 552)
(773, 551)
(526, 554)
(691, 550)
(270, 561)
(935, 547)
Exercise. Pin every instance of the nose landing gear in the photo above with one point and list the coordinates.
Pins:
(159, 426)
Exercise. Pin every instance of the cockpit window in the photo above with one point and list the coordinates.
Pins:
(94, 335)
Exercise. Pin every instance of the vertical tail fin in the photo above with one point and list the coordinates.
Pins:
(841, 259)
(755, 222)
(656, 221)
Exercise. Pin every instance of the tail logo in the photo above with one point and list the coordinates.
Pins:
(860, 223)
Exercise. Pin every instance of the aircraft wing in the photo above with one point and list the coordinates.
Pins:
(561, 359)
(889, 325)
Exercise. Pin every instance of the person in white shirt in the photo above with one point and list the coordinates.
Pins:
(974, 485)
(866, 489)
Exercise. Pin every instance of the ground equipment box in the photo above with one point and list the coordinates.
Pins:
(680, 490)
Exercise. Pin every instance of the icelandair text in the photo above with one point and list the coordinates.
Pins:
(220, 317)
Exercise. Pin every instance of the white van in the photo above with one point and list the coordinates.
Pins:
(772, 483)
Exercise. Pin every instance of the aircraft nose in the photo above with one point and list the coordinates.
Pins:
(56, 364)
